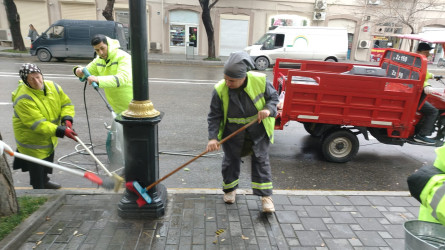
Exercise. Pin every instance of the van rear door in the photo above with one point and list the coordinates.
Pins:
(78, 41)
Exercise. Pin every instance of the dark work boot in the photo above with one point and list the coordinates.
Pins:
(52, 185)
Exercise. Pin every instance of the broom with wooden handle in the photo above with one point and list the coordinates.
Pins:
(144, 198)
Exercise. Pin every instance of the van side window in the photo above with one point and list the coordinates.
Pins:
(279, 41)
(275, 41)
(55, 32)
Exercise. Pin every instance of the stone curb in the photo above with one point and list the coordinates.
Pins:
(22, 232)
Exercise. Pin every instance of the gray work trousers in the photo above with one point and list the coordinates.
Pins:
(261, 171)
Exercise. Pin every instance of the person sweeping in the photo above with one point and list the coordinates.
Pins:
(42, 112)
(243, 96)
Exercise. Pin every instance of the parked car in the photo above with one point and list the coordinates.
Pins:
(72, 39)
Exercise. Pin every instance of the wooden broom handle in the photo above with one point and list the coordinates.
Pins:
(203, 153)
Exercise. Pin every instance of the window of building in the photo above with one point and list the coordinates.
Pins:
(183, 28)
(177, 35)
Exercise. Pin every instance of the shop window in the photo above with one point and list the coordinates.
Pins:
(177, 35)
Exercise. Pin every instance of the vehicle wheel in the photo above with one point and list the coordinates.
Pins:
(44, 55)
(310, 127)
(60, 59)
(261, 63)
(331, 59)
(340, 146)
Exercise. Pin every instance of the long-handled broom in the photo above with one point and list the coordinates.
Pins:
(106, 183)
(117, 179)
(144, 198)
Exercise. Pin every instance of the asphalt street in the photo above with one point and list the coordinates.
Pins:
(182, 93)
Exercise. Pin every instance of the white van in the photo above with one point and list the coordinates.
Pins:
(306, 43)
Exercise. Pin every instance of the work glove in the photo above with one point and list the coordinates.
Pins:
(70, 133)
(67, 121)
(428, 90)
(437, 78)
(62, 131)
(68, 124)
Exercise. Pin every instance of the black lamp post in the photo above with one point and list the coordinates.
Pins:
(139, 123)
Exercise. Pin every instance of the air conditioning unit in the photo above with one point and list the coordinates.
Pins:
(320, 4)
(5, 35)
(364, 44)
(319, 16)
(374, 2)
(155, 46)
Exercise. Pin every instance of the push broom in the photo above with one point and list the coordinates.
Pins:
(106, 183)
(144, 198)
(117, 179)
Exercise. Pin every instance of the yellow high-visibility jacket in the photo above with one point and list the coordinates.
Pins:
(37, 114)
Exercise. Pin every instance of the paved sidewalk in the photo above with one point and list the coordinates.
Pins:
(199, 219)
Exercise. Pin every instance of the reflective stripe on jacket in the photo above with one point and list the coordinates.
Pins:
(255, 88)
(37, 116)
(115, 76)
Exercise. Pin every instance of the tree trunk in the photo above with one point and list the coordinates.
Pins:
(108, 11)
(8, 198)
(207, 21)
(14, 25)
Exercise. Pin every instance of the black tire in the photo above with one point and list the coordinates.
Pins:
(262, 63)
(339, 146)
(309, 127)
(44, 55)
(331, 59)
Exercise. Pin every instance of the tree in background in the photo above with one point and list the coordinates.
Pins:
(8, 198)
(407, 13)
(207, 21)
(108, 11)
(14, 25)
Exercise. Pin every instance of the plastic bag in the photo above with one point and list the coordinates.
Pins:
(281, 100)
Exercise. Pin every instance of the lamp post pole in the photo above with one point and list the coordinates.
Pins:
(140, 126)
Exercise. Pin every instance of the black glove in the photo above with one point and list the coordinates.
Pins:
(437, 78)
(67, 121)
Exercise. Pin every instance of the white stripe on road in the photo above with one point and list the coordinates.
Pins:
(153, 80)
(5, 103)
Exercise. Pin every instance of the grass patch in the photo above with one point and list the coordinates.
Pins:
(28, 205)
(15, 51)
(211, 59)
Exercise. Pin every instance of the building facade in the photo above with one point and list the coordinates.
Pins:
(176, 26)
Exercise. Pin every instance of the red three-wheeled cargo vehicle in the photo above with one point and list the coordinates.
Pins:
(338, 101)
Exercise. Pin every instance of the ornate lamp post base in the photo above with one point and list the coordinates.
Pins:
(140, 123)
(128, 208)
